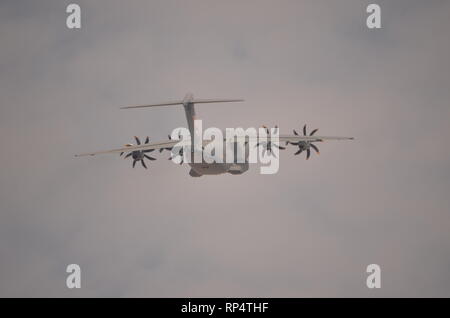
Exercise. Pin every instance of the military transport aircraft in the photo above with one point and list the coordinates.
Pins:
(140, 151)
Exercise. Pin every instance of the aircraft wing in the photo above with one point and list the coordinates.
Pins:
(171, 143)
(148, 146)
(297, 138)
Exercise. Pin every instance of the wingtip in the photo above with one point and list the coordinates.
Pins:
(83, 155)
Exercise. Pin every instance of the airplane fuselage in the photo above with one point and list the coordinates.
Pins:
(204, 168)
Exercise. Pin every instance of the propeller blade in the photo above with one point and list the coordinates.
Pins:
(148, 150)
(143, 163)
(298, 152)
(137, 140)
(308, 153)
(149, 158)
(315, 148)
(161, 150)
(134, 162)
(295, 133)
(121, 154)
(147, 140)
(313, 132)
(128, 155)
(304, 130)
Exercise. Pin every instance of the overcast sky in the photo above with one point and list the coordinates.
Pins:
(309, 230)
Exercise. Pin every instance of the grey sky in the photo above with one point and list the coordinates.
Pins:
(309, 230)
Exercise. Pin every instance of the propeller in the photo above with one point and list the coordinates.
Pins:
(181, 153)
(139, 155)
(168, 149)
(305, 145)
(269, 144)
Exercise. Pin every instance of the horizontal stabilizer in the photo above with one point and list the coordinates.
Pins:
(155, 105)
(182, 102)
(206, 101)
